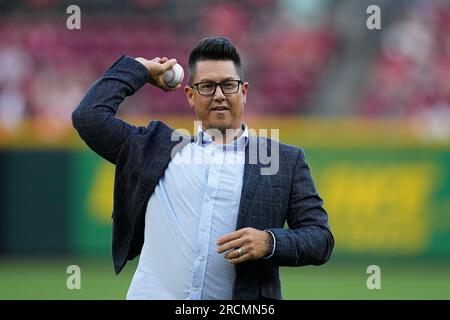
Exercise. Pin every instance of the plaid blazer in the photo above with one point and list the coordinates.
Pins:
(142, 154)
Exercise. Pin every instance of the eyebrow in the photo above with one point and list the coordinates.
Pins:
(209, 80)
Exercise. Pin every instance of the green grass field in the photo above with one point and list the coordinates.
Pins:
(46, 279)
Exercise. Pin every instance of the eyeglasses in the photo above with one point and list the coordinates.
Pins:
(208, 88)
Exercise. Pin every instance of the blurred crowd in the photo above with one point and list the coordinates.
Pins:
(410, 74)
(46, 68)
(286, 48)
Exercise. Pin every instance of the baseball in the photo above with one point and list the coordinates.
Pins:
(174, 76)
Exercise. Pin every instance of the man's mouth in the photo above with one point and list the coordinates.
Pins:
(220, 108)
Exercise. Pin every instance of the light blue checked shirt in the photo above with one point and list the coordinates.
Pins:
(195, 203)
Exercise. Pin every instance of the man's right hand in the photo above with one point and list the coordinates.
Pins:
(156, 67)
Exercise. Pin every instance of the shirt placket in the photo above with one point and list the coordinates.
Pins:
(203, 239)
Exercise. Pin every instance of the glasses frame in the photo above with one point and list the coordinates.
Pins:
(195, 85)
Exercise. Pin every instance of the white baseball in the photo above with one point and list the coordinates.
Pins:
(174, 76)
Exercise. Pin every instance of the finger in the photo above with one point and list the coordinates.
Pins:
(164, 59)
(234, 254)
(175, 88)
(229, 237)
(168, 64)
(240, 259)
(166, 88)
(231, 245)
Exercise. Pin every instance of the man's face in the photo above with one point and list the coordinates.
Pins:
(219, 111)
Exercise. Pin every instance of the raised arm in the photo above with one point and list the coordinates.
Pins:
(95, 119)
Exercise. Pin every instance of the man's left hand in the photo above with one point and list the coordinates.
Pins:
(245, 244)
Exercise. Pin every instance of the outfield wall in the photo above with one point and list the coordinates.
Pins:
(387, 192)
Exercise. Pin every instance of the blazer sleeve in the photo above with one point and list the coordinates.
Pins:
(95, 117)
(308, 239)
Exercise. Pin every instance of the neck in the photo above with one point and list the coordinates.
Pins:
(225, 136)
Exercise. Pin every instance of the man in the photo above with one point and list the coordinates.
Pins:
(210, 229)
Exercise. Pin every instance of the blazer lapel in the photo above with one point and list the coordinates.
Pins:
(252, 174)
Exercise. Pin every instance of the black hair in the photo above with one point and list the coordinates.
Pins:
(214, 48)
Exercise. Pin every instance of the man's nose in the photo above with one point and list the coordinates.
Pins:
(218, 95)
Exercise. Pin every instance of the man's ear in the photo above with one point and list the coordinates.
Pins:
(189, 95)
(244, 90)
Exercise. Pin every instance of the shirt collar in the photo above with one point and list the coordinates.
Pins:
(203, 139)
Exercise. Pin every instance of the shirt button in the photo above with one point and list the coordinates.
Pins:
(201, 259)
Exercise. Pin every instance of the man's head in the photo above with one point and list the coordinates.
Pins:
(214, 60)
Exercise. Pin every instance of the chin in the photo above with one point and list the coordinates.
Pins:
(220, 125)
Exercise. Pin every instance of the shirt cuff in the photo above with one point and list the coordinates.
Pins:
(274, 245)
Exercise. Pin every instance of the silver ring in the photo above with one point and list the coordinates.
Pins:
(239, 250)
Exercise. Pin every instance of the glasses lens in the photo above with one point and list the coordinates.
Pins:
(230, 86)
(206, 88)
